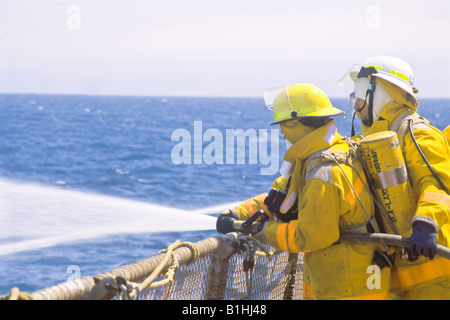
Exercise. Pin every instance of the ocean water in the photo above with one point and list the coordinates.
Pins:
(91, 183)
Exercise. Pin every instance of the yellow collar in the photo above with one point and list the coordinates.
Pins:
(319, 139)
(388, 115)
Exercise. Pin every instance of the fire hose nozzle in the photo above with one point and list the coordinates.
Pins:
(226, 224)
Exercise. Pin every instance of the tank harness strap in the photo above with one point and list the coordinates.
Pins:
(323, 157)
(361, 228)
(401, 126)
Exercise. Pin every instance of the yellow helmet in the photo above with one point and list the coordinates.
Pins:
(299, 101)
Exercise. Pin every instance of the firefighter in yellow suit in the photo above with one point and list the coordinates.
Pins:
(322, 197)
(386, 100)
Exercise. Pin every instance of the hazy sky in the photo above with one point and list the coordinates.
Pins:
(214, 47)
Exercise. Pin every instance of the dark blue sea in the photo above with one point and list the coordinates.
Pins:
(92, 183)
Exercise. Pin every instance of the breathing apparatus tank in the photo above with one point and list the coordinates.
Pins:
(387, 169)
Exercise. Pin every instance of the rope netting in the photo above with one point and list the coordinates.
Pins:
(230, 267)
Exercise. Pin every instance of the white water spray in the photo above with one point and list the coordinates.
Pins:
(34, 216)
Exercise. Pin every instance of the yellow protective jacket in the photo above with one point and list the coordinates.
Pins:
(421, 279)
(327, 205)
(446, 133)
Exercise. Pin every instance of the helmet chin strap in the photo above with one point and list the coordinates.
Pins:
(371, 92)
(356, 111)
(353, 123)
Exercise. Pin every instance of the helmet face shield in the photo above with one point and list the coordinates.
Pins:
(351, 74)
(359, 75)
(271, 94)
(361, 87)
(352, 98)
(278, 101)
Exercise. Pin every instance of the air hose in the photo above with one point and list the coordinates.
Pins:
(387, 239)
(425, 159)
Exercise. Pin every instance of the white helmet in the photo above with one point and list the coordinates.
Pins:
(391, 69)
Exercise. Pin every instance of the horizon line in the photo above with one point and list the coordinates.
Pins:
(171, 95)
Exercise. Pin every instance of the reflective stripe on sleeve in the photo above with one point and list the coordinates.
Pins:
(421, 273)
(281, 236)
(435, 196)
(285, 236)
(292, 226)
(359, 186)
